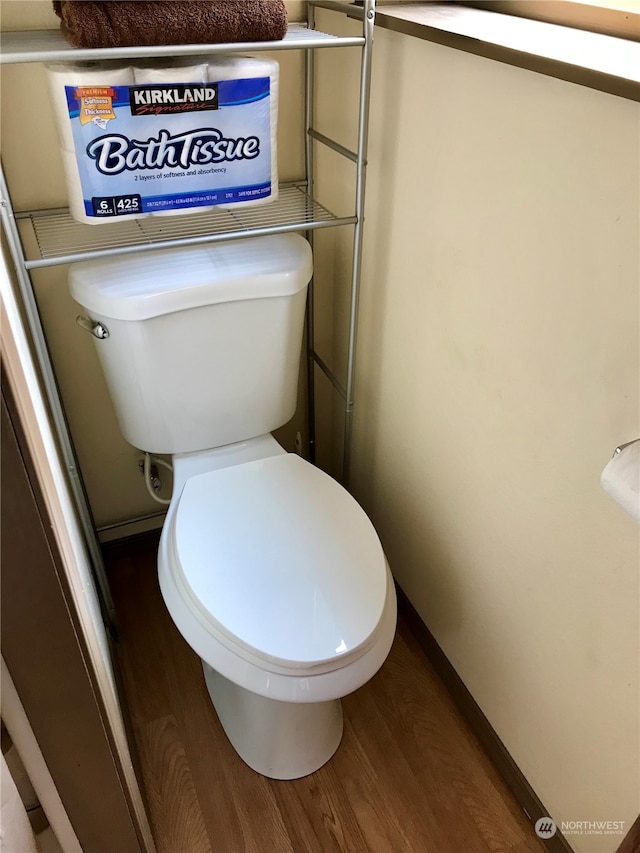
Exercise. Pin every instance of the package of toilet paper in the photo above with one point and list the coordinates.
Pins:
(166, 137)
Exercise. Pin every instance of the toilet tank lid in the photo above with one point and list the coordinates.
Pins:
(142, 285)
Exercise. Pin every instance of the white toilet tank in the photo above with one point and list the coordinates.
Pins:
(204, 343)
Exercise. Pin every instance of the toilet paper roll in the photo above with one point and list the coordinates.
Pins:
(621, 479)
(243, 67)
(61, 74)
(181, 69)
(76, 195)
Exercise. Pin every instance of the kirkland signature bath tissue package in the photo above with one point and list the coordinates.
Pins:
(170, 137)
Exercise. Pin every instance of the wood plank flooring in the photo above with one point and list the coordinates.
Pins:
(409, 776)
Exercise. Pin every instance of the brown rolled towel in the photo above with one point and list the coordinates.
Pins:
(118, 23)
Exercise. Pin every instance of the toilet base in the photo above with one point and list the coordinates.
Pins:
(281, 740)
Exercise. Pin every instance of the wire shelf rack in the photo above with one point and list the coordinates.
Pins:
(50, 45)
(62, 240)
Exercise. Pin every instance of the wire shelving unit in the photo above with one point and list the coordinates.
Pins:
(61, 240)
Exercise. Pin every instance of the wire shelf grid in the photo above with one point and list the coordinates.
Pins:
(61, 239)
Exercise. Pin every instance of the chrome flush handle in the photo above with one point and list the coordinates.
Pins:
(621, 447)
(98, 330)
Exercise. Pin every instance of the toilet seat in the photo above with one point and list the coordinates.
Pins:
(280, 564)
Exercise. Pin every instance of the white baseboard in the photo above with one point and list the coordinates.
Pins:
(124, 529)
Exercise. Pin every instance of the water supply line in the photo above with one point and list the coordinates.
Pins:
(146, 470)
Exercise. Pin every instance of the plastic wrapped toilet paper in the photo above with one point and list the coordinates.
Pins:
(183, 69)
(177, 136)
(77, 204)
(621, 479)
(74, 74)
(226, 67)
(74, 189)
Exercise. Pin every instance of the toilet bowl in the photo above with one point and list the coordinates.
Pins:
(270, 570)
(288, 617)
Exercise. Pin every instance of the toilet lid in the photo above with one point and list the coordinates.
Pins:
(281, 559)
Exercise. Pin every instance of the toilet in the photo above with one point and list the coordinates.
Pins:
(270, 570)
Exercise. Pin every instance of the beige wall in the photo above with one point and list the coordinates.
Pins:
(33, 167)
(498, 368)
